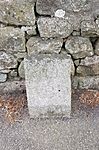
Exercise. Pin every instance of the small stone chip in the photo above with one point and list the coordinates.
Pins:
(3, 77)
(60, 13)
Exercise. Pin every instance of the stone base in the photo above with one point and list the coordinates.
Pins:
(49, 112)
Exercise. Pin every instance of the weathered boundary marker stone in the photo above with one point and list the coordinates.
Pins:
(48, 85)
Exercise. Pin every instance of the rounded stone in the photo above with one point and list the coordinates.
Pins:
(3, 77)
(39, 45)
(97, 47)
(79, 47)
(21, 70)
(7, 61)
(54, 27)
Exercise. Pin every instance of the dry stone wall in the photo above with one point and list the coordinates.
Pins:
(70, 27)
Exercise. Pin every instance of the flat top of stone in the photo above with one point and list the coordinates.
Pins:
(39, 57)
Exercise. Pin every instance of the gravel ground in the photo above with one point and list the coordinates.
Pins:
(80, 132)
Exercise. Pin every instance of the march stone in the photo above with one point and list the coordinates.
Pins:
(48, 85)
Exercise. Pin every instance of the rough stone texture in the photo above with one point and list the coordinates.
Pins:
(2, 25)
(3, 77)
(72, 68)
(12, 39)
(54, 27)
(19, 56)
(89, 28)
(12, 86)
(79, 47)
(46, 7)
(60, 13)
(76, 22)
(17, 12)
(48, 85)
(75, 11)
(7, 61)
(13, 73)
(66, 55)
(38, 45)
(29, 30)
(97, 47)
(97, 20)
(89, 66)
(75, 19)
(21, 70)
(76, 33)
(76, 62)
(88, 82)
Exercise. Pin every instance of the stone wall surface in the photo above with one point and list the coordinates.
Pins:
(70, 27)
(17, 12)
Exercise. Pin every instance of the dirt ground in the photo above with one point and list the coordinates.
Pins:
(80, 132)
(19, 132)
